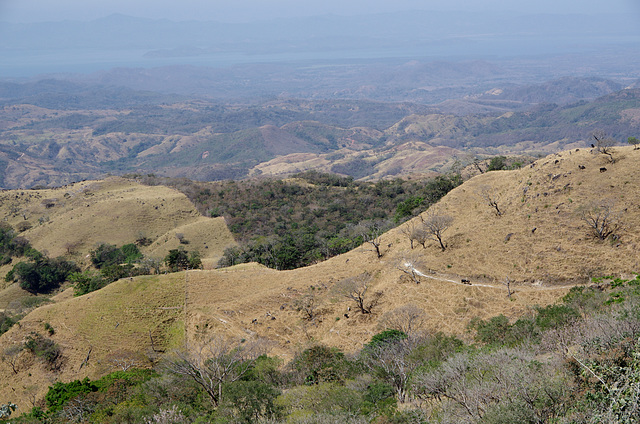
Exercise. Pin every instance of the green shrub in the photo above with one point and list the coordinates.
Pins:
(250, 402)
(436, 348)
(34, 301)
(321, 364)
(131, 377)
(386, 336)
(380, 398)
(555, 316)
(323, 398)
(180, 259)
(497, 163)
(60, 393)
(493, 331)
(6, 322)
(44, 275)
(49, 328)
(45, 349)
(406, 208)
(86, 282)
(131, 253)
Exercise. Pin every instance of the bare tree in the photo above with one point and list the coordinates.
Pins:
(414, 231)
(72, 246)
(435, 225)
(125, 359)
(393, 361)
(77, 410)
(11, 355)
(214, 362)
(603, 143)
(409, 265)
(476, 163)
(491, 198)
(31, 392)
(167, 416)
(308, 305)
(371, 233)
(474, 382)
(357, 289)
(407, 318)
(507, 283)
(602, 219)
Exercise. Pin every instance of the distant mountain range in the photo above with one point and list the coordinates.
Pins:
(55, 132)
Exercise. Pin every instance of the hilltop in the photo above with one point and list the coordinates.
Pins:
(72, 220)
(540, 243)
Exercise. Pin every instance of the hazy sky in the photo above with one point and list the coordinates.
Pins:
(248, 10)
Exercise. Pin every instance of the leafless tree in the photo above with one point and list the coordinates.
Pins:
(492, 199)
(10, 356)
(435, 225)
(507, 283)
(603, 143)
(371, 233)
(31, 392)
(78, 410)
(308, 305)
(392, 360)
(125, 360)
(167, 416)
(214, 362)
(407, 318)
(72, 246)
(602, 219)
(409, 265)
(474, 382)
(357, 289)
(476, 163)
(181, 238)
(414, 231)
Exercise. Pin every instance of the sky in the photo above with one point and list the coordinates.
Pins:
(251, 10)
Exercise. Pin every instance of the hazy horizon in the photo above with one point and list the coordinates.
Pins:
(17, 11)
(70, 36)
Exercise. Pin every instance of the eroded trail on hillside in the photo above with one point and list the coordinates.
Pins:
(472, 284)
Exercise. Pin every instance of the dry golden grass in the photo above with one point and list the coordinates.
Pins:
(250, 301)
(407, 159)
(73, 220)
(123, 317)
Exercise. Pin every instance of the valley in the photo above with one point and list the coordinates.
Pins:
(392, 218)
(540, 243)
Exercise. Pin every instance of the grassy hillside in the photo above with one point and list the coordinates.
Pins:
(251, 301)
(74, 219)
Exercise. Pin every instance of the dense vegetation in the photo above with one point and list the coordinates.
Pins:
(38, 275)
(286, 224)
(573, 362)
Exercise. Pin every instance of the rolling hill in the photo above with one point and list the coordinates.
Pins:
(540, 243)
(49, 147)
